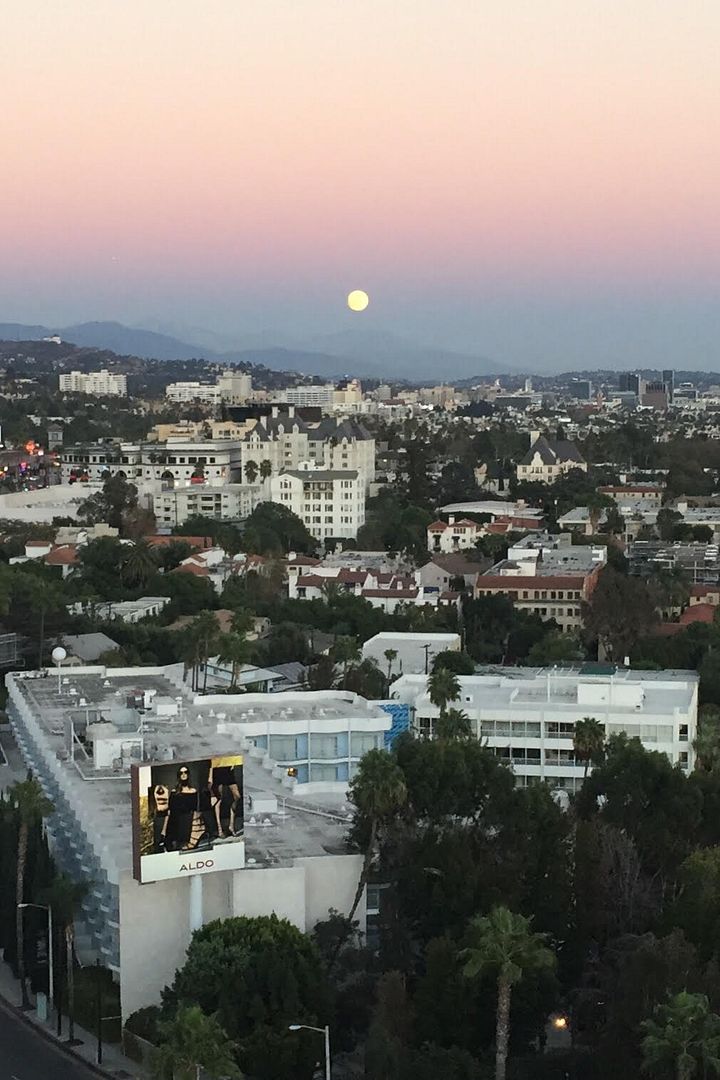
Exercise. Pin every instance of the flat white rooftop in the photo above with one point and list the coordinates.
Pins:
(102, 805)
(657, 693)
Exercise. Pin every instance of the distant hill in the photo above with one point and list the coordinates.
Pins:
(373, 355)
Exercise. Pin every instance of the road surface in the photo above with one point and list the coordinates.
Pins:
(26, 1054)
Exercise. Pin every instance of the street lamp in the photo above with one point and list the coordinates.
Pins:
(322, 1031)
(51, 983)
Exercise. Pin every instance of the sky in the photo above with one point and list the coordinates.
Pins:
(535, 181)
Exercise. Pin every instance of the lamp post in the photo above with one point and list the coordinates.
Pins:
(322, 1031)
(51, 984)
(58, 655)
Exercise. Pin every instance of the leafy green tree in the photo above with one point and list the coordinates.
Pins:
(555, 647)
(390, 1030)
(620, 611)
(682, 1039)
(707, 743)
(589, 741)
(378, 791)
(504, 943)
(257, 976)
(275, 529)
(648, 798)
(28, 799)
(457, 662)
(442, 687)
(192, 1041)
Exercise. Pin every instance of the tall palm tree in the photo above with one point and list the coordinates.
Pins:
(504, 942)
(41, 596)
(65, 896)
(391, 656)
(251, 472)
(683, 1035)
(233, 649)
(207, 631)
(139, 563)
(191, 1042)
(453, 725)
(378, 791)
(443, 687)
(31, 806)
(265, 469)
(589, 742)
(345, 651)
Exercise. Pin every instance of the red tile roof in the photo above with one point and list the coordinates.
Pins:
(191, 568)
(703, 613)
(200, 542)
(65, 555)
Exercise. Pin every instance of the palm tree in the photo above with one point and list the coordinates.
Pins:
(589, 742)
(378, 791)
(345, 651)
(453, 725)
(504, 942)
(41, 597)
(683, 1035)
(251, 472)
(191, 1042)
(207, 631)
(443, 687)
(233, 649)
(31, 805)
(391, 656)
(65, 896)
(139, 564)
(265, 469)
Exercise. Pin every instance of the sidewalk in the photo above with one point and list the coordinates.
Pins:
(115, 1064)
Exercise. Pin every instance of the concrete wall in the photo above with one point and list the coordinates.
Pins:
(155, 923)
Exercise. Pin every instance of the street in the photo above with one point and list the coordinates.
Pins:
(27, 1055)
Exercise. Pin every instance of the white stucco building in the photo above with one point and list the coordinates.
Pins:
(98, 383)
(528, 715)
(330, 503)
(81, 736)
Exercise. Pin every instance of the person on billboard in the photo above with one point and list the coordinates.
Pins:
(184, 825)
(227, 801)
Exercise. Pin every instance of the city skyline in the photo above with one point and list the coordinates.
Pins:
(532, 184)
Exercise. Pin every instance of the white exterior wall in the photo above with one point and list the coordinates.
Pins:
(155, 919)
(229, 502)
(327, 508)
(521, 730)
(411, 650)
(99, 383)
(188, 392)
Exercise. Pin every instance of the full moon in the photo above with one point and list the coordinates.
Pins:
(358, 300)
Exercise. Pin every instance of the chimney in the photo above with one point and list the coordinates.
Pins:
(451, 519)
(275, 412)
(534, 436)
(291, 410)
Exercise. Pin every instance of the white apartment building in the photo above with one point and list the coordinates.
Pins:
(285, 441)
(186, 393)
(102, 383)
(215, 461)
(527, 716)
(414, 653)
(330, 503)
(318, 396)
(223, 502)
(235, 387)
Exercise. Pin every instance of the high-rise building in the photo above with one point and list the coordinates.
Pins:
(630, 382)
(668, 378)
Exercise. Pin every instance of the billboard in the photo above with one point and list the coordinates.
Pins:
(187, 817)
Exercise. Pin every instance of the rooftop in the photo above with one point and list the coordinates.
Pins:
(570, 689)
(100, 799)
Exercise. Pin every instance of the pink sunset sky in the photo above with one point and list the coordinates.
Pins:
(534, 180)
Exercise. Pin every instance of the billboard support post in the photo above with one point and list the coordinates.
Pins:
(196, 902)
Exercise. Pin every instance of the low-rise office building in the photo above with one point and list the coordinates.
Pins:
(527, 716)
(546, 576)
(413, 653)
